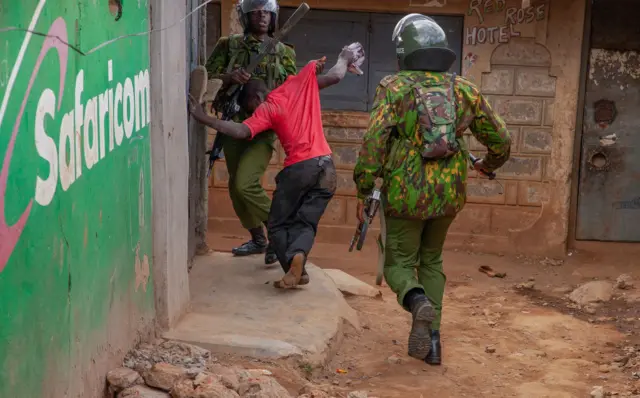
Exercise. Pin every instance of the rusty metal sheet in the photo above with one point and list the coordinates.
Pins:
(609, 184)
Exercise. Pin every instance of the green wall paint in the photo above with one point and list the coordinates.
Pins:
(68, 287)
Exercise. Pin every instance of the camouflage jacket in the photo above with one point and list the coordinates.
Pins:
(413, 187)
(236, 51)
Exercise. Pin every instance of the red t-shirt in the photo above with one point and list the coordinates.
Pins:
(293, 112)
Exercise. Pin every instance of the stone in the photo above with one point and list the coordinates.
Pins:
(624, 282)
(597, 392)
(142, 392)
(228, 376)
(394, 360)
(604, 368)
(311, 391)
(205, 387)
(350, 285)
(164, 376)
(358, 394)
(262, 387)
(490, 349)
(193, 358)
(590, 309)
(563, 290)
(526, 286)
(123, 378)
(592, 292)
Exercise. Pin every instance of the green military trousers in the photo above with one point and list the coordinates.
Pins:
(413, 259)
(247, 161)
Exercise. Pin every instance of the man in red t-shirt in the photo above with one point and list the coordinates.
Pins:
(308, 181)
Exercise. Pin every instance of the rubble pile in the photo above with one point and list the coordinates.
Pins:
(177, 370)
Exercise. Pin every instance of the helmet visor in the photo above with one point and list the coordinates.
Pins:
(256, 5)
(406, 20)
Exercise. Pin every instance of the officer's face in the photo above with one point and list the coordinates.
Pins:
(260, 21)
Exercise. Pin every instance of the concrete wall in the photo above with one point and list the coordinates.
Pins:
(527, 61)
(76, 290)
(169, 142)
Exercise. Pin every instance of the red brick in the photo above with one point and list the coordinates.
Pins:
(481, 190)
(336, 211)
(474, 219)
(345, 183)
(341, 134)
(505, 219)
(345, 155)
(220, 204)
(220, 175)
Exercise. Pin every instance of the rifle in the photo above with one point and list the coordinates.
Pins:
(371, 206)
(228, 102)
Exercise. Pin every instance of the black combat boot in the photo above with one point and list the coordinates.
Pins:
(270, 256)
(423, 314)
(435, 355)
(257, 244)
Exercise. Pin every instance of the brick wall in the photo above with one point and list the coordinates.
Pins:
(520, 89)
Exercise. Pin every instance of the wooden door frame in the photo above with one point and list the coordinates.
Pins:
(577, 147)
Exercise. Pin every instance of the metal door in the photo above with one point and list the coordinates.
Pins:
(609, 184)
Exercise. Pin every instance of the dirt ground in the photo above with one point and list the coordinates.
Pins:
(498, 340)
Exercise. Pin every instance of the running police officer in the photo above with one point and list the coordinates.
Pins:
(414, 142)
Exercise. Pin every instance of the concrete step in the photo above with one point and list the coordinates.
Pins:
(236, 310)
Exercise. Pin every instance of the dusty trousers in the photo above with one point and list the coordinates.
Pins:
(413, 259)
(303, 191)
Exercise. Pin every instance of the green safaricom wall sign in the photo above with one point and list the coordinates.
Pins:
(75, 188)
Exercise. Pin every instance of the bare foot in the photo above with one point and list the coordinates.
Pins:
(292, 278)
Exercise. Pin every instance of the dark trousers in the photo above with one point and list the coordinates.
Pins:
(303, 191)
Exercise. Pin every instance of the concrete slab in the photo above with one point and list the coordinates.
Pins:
(235, 309)
(350, 285)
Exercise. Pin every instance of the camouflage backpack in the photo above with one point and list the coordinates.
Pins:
(436, 107)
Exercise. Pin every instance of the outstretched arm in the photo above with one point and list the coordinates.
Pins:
(232, 129)
(346, 59)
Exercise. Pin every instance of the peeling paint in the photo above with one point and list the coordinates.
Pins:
(608, 140)
(142, 270)
(612, 64)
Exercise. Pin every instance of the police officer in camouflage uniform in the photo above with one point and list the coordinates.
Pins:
(414, 142)
(247, 161)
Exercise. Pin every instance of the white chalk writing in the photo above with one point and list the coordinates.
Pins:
(502, 33)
